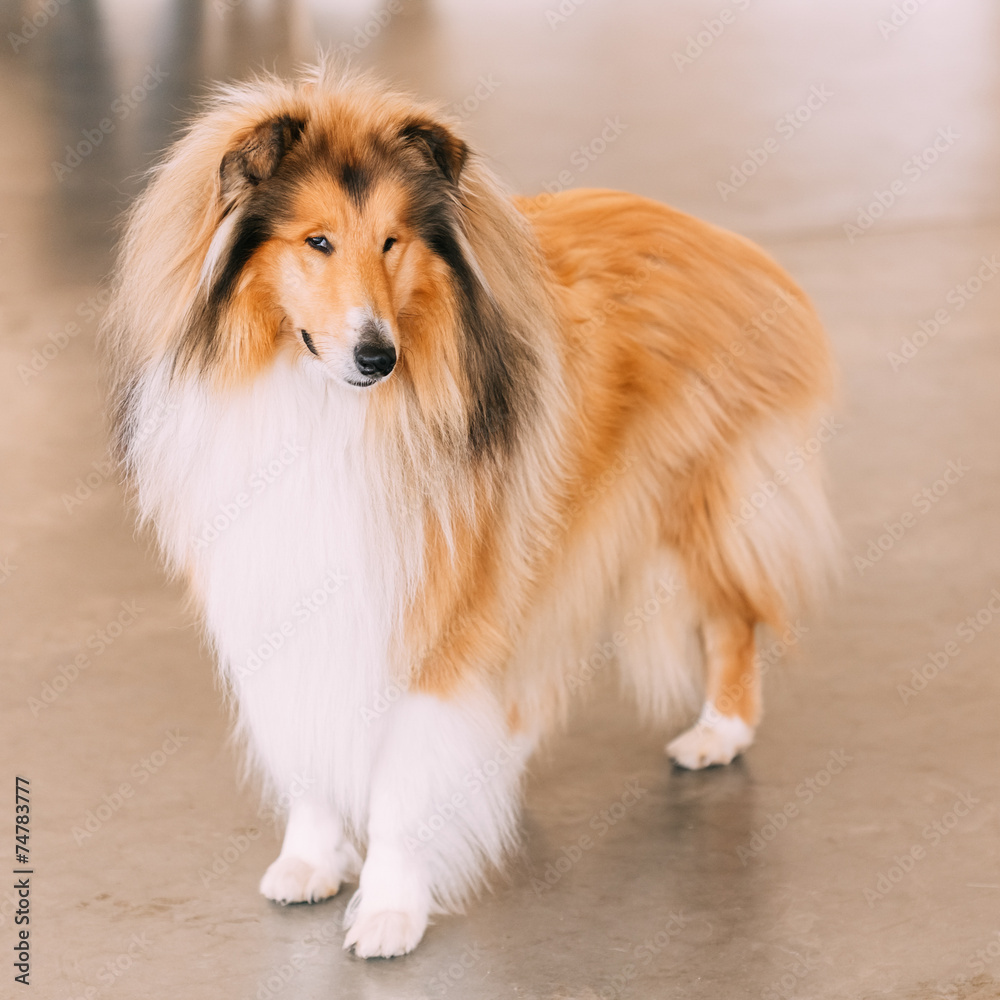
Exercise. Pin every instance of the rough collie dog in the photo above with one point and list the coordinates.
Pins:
(429, 456)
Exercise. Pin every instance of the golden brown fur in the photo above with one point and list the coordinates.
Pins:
(649, 301)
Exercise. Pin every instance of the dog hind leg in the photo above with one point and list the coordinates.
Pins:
(731, 711)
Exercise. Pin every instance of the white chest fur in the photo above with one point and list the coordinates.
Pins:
(268, 498)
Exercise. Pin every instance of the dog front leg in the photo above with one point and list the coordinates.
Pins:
(315, 855)
(444, 805)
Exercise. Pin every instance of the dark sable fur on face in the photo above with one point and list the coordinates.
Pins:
(247, 184)
(357, 182)
(252, 231)
(498, 364)
(258, 180)
(259, 154)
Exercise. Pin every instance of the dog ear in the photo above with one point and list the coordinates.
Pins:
(258, 153)
(438, 145)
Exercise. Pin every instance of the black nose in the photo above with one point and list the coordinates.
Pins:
(374, 360)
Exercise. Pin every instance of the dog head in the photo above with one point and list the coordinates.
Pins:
(335, 225)
(348, 227)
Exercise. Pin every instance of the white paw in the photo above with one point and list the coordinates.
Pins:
(385, 933)
(713, 739)
(292, 880)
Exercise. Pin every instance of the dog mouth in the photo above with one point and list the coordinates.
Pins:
(373, 363)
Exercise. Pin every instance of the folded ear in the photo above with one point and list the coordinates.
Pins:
(257, 153)
(436, 143)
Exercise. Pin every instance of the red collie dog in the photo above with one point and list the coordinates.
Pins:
(429, 456)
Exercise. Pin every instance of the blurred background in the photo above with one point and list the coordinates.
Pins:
(854, 851)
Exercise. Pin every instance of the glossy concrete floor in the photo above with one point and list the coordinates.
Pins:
(855, 851)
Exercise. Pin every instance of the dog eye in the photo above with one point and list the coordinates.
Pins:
(389, 244)
(320, 243)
